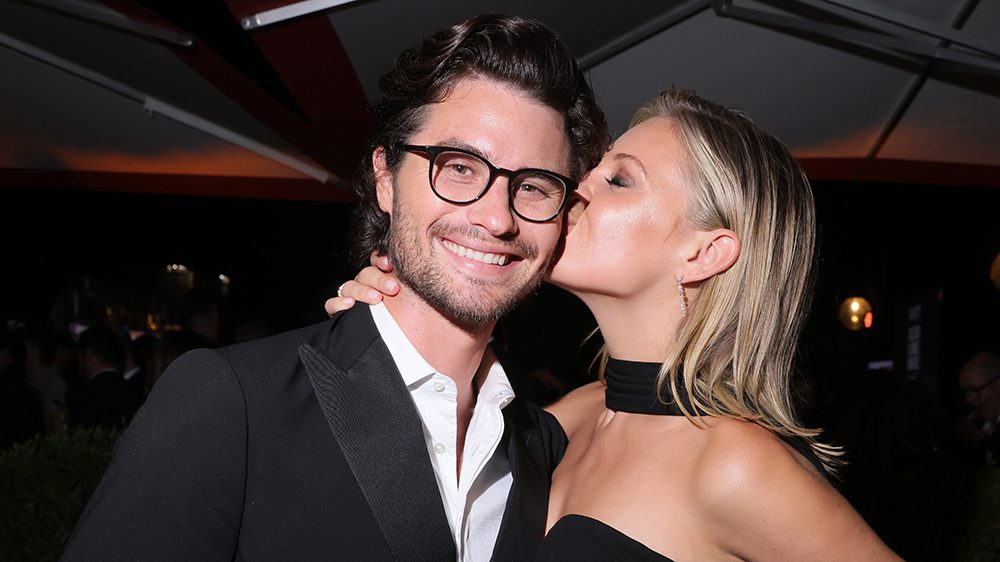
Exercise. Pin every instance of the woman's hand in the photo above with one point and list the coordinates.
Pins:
(368, 287)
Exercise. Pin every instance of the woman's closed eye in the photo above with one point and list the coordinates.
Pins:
(618, 180)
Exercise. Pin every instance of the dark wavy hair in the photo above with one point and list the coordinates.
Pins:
(509, 49)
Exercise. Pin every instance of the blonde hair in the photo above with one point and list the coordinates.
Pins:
(738, 342)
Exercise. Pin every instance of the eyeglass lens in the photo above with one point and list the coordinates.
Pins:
(980, 388)
(462, 178)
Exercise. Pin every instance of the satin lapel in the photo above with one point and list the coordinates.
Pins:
(372, 416)
(523, 523)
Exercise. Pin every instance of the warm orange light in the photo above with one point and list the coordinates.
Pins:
(855, 313)
(213, 158)
(152, 322)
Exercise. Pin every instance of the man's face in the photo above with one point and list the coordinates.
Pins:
(981, 383)
(473, 262)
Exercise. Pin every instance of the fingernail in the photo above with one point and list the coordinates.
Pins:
(348, 301)
(373, 295)
(390, 285)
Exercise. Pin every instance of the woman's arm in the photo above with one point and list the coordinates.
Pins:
(371, 284)
(376, 281)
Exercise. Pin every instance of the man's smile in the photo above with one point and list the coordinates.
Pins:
(484, 257)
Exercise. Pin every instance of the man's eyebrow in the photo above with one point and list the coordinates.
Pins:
(455, 142)
(636, 161)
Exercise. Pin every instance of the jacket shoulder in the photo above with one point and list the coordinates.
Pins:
(552, 440)
(342, 338)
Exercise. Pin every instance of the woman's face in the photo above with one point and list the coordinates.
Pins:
(626, 236)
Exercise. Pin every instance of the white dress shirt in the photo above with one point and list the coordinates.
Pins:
(474, 503)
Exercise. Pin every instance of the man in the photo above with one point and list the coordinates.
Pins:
(103, 398)
(388, 432)
(21, 416)
(39, 354)
(979, 379)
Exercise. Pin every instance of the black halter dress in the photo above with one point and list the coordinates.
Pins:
(631, 387)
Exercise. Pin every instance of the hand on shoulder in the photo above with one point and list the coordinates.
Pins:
(371, 284)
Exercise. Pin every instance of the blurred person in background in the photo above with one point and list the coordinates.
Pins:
(39, 357)
(979, 380)
(103, 398)
(21, 415)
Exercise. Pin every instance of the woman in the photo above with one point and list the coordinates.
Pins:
(692, 243)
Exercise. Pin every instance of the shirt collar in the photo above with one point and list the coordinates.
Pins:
(412, 366)
(496, 388)
(414, 369)
(127, 375)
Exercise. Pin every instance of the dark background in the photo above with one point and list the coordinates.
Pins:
(895, 245)
(892, 244)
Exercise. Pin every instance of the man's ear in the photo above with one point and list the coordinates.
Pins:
(383, 180)
(714, 251)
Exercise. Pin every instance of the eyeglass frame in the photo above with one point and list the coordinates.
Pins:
(433, 151)
(977, 390)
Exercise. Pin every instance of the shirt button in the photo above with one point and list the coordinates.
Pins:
(439, 448)
(438, 386)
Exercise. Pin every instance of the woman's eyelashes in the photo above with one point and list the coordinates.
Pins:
(618, 180)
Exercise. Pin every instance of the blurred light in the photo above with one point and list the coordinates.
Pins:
(855, 313)
(176, 268)
(152, 322)
(884, 365)
(289, 11)
(224, 279)
(76, 329)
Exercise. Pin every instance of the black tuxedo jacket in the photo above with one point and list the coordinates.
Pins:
(302, 446)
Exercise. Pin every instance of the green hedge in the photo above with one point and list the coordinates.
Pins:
(44, 485)
(981, 541)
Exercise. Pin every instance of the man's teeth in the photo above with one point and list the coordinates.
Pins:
(494, 259)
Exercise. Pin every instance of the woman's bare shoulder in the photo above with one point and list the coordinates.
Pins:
(578, 407)
(762, 499)
(743, 451)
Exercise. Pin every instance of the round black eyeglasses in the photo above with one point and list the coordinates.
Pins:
(978, 389)
(459, 176)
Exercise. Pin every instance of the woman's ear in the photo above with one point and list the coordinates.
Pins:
(383, 180)
(715, 251)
